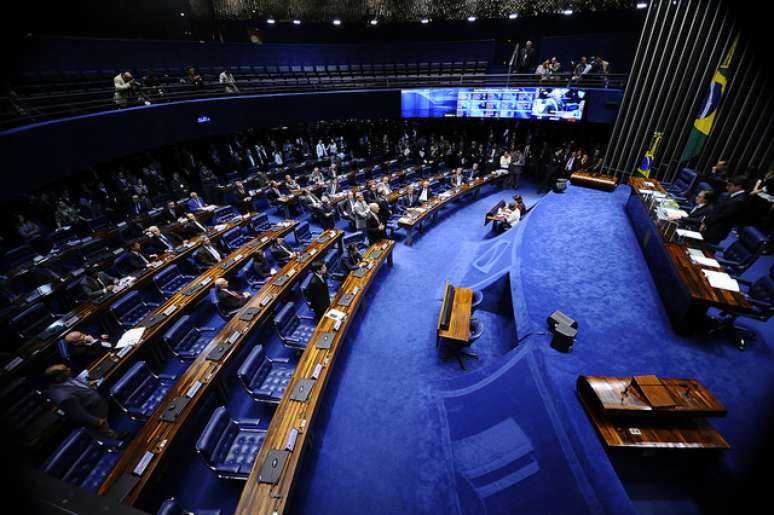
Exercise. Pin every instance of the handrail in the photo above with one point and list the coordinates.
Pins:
(33, 108)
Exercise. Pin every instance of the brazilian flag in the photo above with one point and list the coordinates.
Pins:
(702, 127)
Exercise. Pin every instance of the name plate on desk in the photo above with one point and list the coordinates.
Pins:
(346, 300)
(266, 299)
(227, 263)
(324, 237)
(143, 463)
(277, 228)
(15, 362)
(122, 487)
(281, 280)
(303, 257)
(155, 319)
(218, 352)
(360, 272)
(301, 390)
(193, 289)
(376, 254)
(71, 321)
(102, 369)
(174, 408)
(249, 314)
(290, 443)
(171, 309)
(324, 341)
(123, 351)
(272, 467)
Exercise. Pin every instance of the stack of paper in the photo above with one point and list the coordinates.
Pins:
(130, 337)
(721, 280)
(705, 261)
(689, 234)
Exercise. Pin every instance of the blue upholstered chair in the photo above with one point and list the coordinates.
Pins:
(233, 239)
(682, 184)
(32, 321)
(224, 214)
(82, 461)
(742, 253)
(98, 223)
(259, 223)
(172, 507)
(120, 267)
(478, 298)
(294, 330)
(63, 348)
(131, 308)
(169, 281)
(139, 392)
(265, 378)
(18, 255)
(476, 329)
(222, 312)
(185, 340)
(303, 234)
(760, 294)
(95, 250)
(21, 404)
(357, 237)
(228, 446)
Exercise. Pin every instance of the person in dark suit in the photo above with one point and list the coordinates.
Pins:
(81, 403)
(727, 213)
(207, 255)
(348, 208)
(229, 300)
(317, 290)
(325, 215)
(281, 252)
(191, 227)
(84, 349)
(261, 266)
(138, 205)
(159, 242)
(240, 198)
(525, 62)
(374, 225)
(97, 283)
(370, 195)
(704, 204)
(136, 260)
(171, 213)
(410, 199)
(353, 258)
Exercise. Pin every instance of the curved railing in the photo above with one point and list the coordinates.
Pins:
(71, 99)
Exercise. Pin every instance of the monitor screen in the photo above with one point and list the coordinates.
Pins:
(564, 104)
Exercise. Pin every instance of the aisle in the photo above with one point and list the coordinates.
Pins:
(377, 446)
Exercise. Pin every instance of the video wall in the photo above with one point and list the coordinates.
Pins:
(565, 104)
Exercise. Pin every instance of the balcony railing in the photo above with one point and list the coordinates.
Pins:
(41, 103)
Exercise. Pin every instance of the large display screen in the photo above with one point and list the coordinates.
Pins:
(527, 103)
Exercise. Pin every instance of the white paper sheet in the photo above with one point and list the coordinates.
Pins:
(721, 280)
(705, 261)
(689, 234)
(130, 337)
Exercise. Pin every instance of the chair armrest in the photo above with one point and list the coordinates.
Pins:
(167, 376)
(305, 317)
(202, 329)
(279, 360)
(110, 445)
(248, 422)
(743, 281)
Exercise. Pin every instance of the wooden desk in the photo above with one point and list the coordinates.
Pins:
(112, 363)
(201, 377)
(459, 323)
(590, 180)
(683, 287)
(36, 348)
(625, 418)
(264, 498)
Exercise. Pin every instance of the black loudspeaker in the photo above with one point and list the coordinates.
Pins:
(564, 337)
(557, 317)
(560, 185)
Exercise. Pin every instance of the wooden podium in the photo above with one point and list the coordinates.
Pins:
(651, 412)
(602, 182)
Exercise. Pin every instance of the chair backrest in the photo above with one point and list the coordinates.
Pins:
(20, 403)
(64, 349)
(762, 290)
(685, 180)
(213, 435)
(355, 237)
(120, 267)
(125, 304)
(178, 331)
(231, 238)
(753, 239)
(137, 384)
(98, 222)
(284, 319)
(223, 213)
(28, 322)
(303, 232)
(251, 366)
(260, 222)
(331, 259)
(18, 255)
(213, 298)
(171, 507)
(93, 247)
(74, 459)
(166, 276)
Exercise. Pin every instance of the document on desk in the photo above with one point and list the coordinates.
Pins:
(130, 337)
(705, 261)
(721, 280)
(690, 234)
(695, 252)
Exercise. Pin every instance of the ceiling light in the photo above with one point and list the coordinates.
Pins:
(471, 18)
(425, 21)
(182, 14)
(641, 5)
(374, 21)
(337, 21)
(270, 21)
(513, 16)
(567, 12)
(296, 22)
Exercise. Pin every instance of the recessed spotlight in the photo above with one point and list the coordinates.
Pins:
(641, 5)
(424, 21)
(374, 21)
(182, 14)
(337, 21)
(296, 22)
(513, 16)
(271, 21)
(567, 12)
(471, 18)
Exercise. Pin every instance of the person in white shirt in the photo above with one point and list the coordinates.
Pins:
(424, 195)
(544, 70)
(362, 212)
(505, 161)
(124, 85)
(322, 150)
(227, 79)
(509, 216)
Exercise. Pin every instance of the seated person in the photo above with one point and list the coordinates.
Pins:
(424, 192)
(240, 198)
(703, 206)
(97, 283)
(281, 252)
(456, 179)
(291, 184)
(227, 299)
(325, 215)
(316, 178)
(274, 193)
(409, 199)
(261, 268)
(159, 242)
(728, 212)
(81, 403)
(353, 258)
(195, 203)
(84, 349)
(136, 260)
(507, 217)
(207, 255)
(171, 213)
(191, 227)
(311, 201)
(348, 207)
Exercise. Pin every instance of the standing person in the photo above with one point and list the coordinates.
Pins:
(228, 81)
(518, 158)
(362, 213)
(526, 58)
(124, 86)
(317, 290)
(374, 225)
(194, 78)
